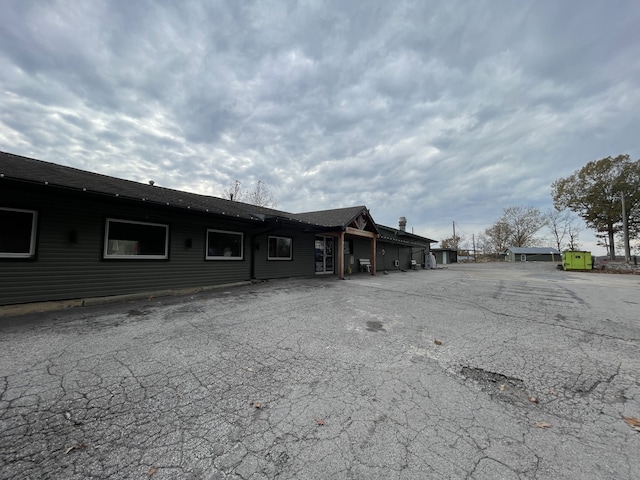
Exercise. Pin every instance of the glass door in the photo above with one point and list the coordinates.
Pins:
(324, 254)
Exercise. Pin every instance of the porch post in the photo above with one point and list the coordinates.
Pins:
(341, 256)
(373, 256)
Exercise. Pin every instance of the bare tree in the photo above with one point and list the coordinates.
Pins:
(524, 222)
(234, 192)
(516, 227)
(260, 195)
(481, 244)
(572, 243)
(497, 237)
(564, 229)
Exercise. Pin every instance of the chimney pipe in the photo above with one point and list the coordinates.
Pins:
(403, 223)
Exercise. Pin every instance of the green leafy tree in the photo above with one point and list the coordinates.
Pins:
(631, 176)
(594, 192)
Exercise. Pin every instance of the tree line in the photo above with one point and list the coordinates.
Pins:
(604, 193)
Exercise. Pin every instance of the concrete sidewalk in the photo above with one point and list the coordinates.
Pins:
(470, 372)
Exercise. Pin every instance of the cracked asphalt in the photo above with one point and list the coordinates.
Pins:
(487, 371)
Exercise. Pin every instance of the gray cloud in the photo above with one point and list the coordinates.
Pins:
(438, 111)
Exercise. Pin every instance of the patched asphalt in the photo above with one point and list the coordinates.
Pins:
(487, 371)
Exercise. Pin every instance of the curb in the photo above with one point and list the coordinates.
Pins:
(42, 307)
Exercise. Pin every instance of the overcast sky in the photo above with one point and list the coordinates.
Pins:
(438, 111)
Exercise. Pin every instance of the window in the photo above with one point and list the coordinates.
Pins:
(125, 239)
(280, 248)
(222, 245)
(17, 233)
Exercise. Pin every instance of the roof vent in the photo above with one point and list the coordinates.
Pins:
(403, 223)
(151, 182)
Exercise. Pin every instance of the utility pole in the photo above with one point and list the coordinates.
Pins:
(454, 236)
(473, 237)
(625, 231)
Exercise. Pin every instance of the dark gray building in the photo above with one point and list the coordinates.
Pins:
(67, 234)
(397, 249)
(532, 254)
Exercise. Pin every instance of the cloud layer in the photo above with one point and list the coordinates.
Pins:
(437, 111)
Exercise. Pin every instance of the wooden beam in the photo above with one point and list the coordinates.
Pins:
(341, 256)
(373, 256)
(360, 233)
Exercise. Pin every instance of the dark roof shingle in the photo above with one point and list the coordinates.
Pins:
(40, 172)
(338, 217)
(35, 171)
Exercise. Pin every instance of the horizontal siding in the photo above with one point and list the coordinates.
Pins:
(405, 257)
(386, 261)
(302, 263)
(65, 270)
(392, 253)
(361, 249)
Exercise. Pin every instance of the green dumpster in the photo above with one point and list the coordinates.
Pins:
(576, 261)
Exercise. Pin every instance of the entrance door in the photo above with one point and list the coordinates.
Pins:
(324, 254)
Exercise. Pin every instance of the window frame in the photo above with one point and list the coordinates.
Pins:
(105, 246)
(223, 257)
(31, 254)
(279, 259)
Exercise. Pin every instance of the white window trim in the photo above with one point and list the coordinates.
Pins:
(135, 257)
(222, 257)
(32, 241)
(290, 257)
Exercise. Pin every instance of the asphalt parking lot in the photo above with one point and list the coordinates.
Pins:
(488, 371)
